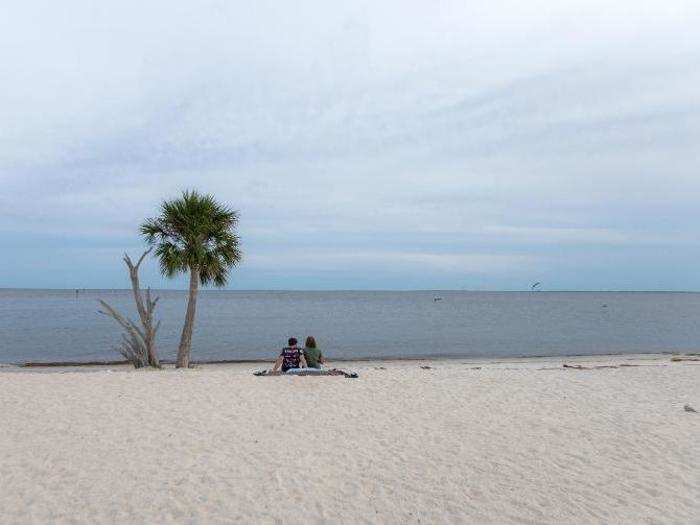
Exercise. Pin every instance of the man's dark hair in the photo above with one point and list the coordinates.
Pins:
(292, 341)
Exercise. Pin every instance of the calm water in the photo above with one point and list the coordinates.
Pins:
(54, 325)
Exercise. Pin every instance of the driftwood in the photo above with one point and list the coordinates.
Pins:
(138, 343)
(580, 367)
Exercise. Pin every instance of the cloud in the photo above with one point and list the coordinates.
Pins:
(455, 263)
(401, 130)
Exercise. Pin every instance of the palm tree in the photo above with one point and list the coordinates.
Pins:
(194, 234)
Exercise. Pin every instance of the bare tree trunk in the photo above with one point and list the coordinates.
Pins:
(138, 344)
(183, 352)
(145, 311)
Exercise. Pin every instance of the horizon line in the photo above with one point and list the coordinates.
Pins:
(407, 290)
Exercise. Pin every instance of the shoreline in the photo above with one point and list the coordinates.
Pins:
(341, 290)
(168, 364)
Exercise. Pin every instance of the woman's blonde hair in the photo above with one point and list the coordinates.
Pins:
(310, 342)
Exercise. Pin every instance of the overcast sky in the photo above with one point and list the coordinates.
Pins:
(379, 144)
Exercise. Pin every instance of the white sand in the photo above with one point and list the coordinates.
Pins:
(510, 443)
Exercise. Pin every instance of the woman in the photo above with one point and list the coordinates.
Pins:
(314, 357)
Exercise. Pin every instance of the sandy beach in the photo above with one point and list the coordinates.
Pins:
(512, 441)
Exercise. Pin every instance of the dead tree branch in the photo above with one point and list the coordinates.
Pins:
(139, 342)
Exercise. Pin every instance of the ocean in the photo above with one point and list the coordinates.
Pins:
(60, 325)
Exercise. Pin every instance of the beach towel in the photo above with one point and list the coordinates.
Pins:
(308, 372)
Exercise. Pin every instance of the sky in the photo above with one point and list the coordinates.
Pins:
(367, 145)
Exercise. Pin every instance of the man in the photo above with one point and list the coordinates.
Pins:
(290, 357)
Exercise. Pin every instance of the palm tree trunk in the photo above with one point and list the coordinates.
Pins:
(183, 352)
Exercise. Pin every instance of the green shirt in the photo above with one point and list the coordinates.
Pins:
(313, 357)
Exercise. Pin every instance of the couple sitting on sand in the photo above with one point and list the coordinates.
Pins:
(294, 358)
